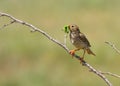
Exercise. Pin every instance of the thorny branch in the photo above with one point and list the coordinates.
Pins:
(33, 29)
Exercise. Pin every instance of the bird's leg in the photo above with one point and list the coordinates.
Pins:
(82, 58)
(83, 54)
(72, 52)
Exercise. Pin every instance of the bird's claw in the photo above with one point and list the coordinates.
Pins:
(72, 52)
(82, 60)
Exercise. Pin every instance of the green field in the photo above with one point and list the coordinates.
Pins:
(30, 59)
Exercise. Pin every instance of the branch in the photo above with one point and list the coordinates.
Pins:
(111, 74)
(5, 25)
(34, 29)
(113, 46)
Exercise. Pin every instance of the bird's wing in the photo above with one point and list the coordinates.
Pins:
(84, 39)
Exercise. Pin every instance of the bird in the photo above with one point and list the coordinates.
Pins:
(79, 40)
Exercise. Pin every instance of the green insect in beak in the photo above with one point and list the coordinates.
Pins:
(66, 29)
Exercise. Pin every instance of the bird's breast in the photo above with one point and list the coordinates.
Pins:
(76, 41)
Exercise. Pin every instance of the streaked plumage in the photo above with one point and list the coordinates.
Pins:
(79, 40)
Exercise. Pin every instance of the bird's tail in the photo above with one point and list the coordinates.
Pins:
(90, 52)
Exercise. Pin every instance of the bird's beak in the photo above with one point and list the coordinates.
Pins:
(68, 27)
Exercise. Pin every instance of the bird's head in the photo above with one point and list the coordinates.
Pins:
(74, 28)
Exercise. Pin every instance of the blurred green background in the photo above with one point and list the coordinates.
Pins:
(30, 59)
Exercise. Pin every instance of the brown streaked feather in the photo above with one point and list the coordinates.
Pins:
(84, 39)
(90, 52)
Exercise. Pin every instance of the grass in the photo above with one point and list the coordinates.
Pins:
(30, 59)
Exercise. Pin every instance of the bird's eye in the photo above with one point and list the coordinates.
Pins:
(72, 26)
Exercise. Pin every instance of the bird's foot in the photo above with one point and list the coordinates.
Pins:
(81, 60)
(72, 52)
